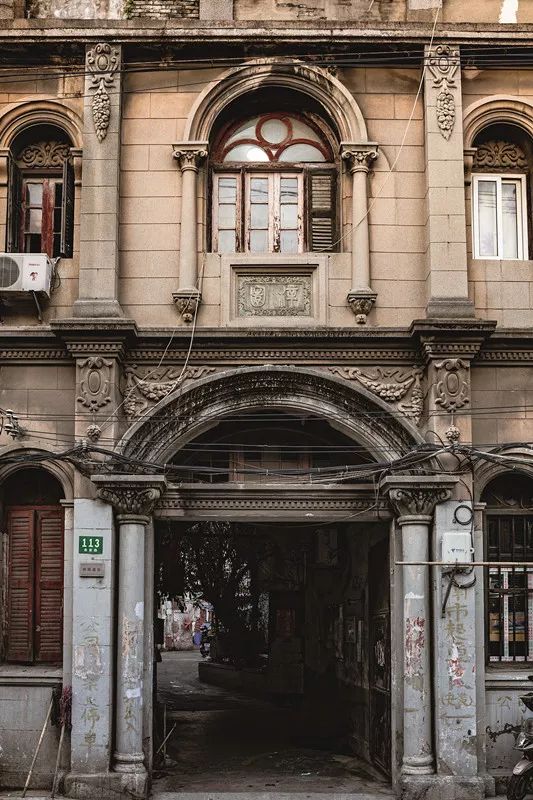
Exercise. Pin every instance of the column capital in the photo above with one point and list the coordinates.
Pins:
(190, 155)
(359, 156)
(130, 494)
(414, 497)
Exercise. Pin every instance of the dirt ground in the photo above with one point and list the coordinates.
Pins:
(227, 742)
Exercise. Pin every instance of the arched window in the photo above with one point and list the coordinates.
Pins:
(41, 193)
(509, 540)
(500, 193)
(274, 186)
(33, 521)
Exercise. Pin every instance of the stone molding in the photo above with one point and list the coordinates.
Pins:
(143, 391)
(443, 62)
(102, 62)
(111, 349)
(130, 494)
(415, 496)
(392, 384)
(269, 355)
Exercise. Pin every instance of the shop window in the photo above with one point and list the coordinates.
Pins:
(500, 200)
(41, 196)
(274, 187)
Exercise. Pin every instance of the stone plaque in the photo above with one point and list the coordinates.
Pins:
(274, 295)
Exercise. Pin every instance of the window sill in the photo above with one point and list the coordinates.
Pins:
(509, 678)
(29, 675)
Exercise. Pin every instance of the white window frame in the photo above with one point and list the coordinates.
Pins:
(238, 207)
(522, 237)
(274, 202)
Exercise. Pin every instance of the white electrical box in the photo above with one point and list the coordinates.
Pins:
(25, 272)
(456, 547)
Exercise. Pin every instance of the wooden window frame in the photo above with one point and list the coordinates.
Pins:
(522, 219)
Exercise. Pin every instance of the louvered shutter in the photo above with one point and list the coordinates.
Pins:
(321, 210)
(14, 206)
(20, 531)
(67, 210)
(49, 586)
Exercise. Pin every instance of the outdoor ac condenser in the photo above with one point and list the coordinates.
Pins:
(25, 272)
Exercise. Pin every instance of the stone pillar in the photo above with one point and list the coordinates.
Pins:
(99, 251)
(446, 277)
(359, 158)
(414, 499)
(133, 497)
(68, 558)
(188, 296)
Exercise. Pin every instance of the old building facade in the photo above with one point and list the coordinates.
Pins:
(264, 216)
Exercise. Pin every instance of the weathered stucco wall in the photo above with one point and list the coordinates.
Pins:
(502, 399)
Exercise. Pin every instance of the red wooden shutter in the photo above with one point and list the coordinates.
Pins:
(49, 586)
(20, 530)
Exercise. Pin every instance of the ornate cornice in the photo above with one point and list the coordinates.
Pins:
(130, 494)
(414, 496)
(102, 348)
(266, 355)
(102, 62)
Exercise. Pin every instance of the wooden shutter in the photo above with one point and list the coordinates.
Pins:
(321, 210)
(49, 586)
(67, 210)
(14, 206)
(20, 531)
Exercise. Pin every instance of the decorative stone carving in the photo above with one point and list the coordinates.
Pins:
(102, 64)
(187, 302)
(500, 155)
(452, 383)
(391, 384)
(443, 63)
(190, 156)
(44, 155)
(417, 500)
(93, 433)
(453, 434)
(130, 494)
(143, 392)
(361, 302)
(95, 382)
(274, 295)
(360, 159)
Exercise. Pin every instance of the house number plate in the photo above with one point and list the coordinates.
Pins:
(91, 544)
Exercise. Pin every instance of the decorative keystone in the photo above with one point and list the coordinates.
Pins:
(361, 301)
(130, 494)
(417, 495)
(187, 302)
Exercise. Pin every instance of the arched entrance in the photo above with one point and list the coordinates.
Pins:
(274, 466)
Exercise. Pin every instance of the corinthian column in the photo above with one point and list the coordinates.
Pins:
(414, 498)
(359, 158)
(189, 156)
(133, 497)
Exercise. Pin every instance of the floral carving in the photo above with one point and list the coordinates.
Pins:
(130, 496)
(391, 384)
(44, 155)
(190, 156)
(95, 382)
(102, 64)
(359, 159)
(443, 63)
(498, 155)
(143, 392)
(361, 302)
(452, 383)
(417, 500)
(187, 302)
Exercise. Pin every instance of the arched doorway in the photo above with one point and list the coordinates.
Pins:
(278, 463)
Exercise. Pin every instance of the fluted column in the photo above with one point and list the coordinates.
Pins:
(414, 498)
(133, 497)
(188, 297)
(359, 158)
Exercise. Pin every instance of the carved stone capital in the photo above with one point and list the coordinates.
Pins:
(361, 301)
(359, 157)
(415, 496)
(130, 494)
(102, 62)
(187, 302)
(190, 155)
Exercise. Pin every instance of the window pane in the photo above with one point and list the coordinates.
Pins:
(259, 241)
(226, 241)
(227, 190)
(289, 190)
(289, 242)
(226, 216)
(274, 131)
(246, 152)
(259, 190)
(487, 217)
(289, 217)
(259, 216)
(35, 220)
(301, 152)
(510, 219)
(34, 194)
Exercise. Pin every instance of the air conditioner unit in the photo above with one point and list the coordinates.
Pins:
(25, 272)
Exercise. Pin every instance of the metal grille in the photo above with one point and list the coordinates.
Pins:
(510, 589)
(9, 272)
